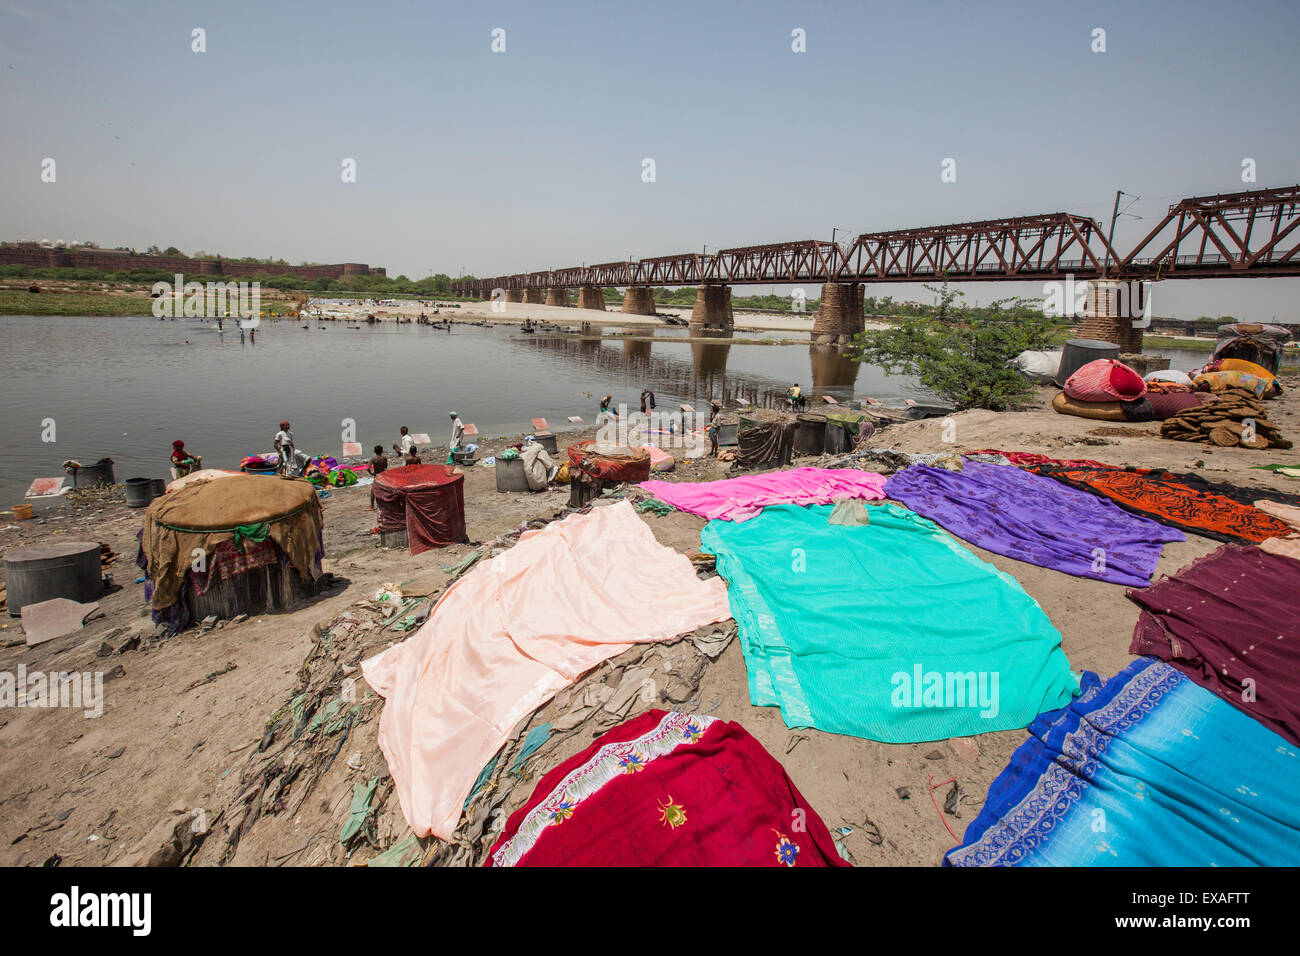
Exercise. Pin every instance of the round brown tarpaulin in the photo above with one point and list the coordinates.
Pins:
(609, 462)
(199, 516)
(426, 501)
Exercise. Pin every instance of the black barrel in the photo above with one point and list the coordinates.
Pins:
(548, 442)
(511, 475)
(92, 476)
(1079, 352)
(69, 569)
(837, 438)
(158, 487)
(810, 438)
(139, 492)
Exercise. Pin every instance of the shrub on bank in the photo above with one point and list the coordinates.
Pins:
(963, 353)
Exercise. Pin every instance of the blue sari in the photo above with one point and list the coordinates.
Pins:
(1146, 769)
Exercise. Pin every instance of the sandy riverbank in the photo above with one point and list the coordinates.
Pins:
(180, 722)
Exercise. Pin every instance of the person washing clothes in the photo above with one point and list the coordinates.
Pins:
(406, 444)
(715, 426)
(183, 461)
(285, 447)
(457, 436)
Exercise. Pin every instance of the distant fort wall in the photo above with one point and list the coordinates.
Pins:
(111, 261)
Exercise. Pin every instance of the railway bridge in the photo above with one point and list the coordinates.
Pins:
(1249, 234)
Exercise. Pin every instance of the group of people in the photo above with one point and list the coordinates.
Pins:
(648, 405)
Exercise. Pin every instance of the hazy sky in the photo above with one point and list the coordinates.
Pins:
(532, 158)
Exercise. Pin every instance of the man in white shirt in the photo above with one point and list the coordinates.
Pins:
(457, 435)
(284, 445)
(407, 443)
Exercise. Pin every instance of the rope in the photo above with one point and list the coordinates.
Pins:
(239, 528)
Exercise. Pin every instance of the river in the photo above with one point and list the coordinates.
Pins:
(125, 387)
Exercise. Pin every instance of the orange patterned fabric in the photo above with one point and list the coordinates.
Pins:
(1189, 502)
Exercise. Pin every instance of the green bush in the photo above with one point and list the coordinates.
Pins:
(964, 353)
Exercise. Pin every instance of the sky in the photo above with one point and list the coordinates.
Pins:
(489, 163)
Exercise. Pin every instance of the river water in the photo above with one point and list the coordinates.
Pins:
(125, 387)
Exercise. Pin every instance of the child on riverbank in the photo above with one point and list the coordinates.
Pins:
(378, 465)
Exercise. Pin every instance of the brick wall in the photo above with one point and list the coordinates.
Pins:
(114, 261)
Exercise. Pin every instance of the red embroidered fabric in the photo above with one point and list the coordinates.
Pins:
(667, 789)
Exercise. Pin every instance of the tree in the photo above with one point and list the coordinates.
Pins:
(963, 353)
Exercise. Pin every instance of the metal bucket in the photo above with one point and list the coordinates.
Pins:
(139, 492)
(729, 434)
(69, 569)
(158, 486)
(810, 437)
(548, 442)
(1079, 352)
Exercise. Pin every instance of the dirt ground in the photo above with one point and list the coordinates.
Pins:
(182, 745)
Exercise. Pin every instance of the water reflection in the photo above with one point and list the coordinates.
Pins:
(633, 359)
(833, 370)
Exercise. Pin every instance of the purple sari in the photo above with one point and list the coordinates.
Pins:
(1003, 509)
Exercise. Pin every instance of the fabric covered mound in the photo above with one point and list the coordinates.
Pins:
(660, 460)
(739, 499)
(1108, 411)
(1188, 502)
(609, 462)
(1227, 378)
(206, 474)
(1258, 344)
(509, 634)
(1147, 769)
(234, 508)
(1168, 404)
(1105, 380)
(1030, 518)
(1167, 375)
(667, 789)
(890, 630)
(1241, 365)
(425, 501)
(1228, 622)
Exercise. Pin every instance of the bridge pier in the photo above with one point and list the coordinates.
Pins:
(712, 308)
(534, 297)
(1104, 319)
(557, 296)
(514, 295)
(591, 297)
(639, 300)
(840, 316)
